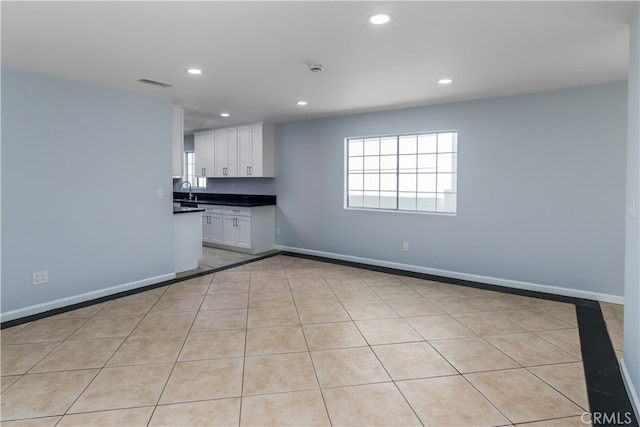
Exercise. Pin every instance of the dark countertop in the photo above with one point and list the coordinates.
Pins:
(226, 199)
(186, 210)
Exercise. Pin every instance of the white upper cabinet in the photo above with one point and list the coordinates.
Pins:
(226, 152)
(204, 149)
(256, 150)
(236, 152)
(177, 138)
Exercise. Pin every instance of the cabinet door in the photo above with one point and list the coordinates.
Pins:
(229, 230)
(250, 150)
(212, 228)
(216, 228)
(237, 231)
(226, 148)
(243, 228)
(205, 227)
(204, 154)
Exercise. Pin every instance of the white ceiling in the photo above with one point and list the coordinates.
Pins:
(255, 55)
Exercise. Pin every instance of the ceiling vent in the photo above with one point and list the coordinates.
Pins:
(154, 83)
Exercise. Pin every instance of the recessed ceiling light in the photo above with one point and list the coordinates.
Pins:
(224, 114)
(445, 81)
(194, 71)
(379, 19)
(301, 103)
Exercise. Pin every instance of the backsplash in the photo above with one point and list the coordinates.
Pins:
(233, 186)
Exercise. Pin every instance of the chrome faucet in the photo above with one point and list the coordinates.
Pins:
(190, 192)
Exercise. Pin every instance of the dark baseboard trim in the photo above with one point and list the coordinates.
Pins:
(608, 399)
(609, 402)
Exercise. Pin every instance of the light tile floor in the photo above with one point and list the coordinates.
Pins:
(290, 341)
(214, 258)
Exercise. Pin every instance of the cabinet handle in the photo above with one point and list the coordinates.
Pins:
(251, 170)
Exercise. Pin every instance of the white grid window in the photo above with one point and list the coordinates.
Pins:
(190, 161)
(414, 172)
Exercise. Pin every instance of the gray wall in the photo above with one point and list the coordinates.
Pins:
(80, 168)
(631, 361)
(541, 191)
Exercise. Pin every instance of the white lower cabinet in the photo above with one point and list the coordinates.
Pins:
(246, 229)
(211, 223)
(236, 231)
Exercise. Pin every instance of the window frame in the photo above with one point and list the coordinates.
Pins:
(443, 199)
(196, 182)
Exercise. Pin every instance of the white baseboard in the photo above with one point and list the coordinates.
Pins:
(576, 293)
(631, 391)
(75, 299)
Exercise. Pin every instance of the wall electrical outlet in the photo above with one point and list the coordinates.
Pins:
(278, 231)
(405, 246)
(40, 277)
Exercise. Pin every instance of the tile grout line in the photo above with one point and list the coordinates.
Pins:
(369, 286)
(315, 372)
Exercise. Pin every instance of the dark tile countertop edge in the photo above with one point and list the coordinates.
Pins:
(186, 210)
(226, 199)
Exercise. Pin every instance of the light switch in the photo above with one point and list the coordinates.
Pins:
(160, 193)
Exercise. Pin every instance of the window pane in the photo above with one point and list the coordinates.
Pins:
(445, 162)
(408, 144)
(389, 146)
(446, 202)
(371, 181)
(445, 182)
(426, 202)
(427, 143)
(371, 199)
(372, 163)
(356, 182)
(407, 162)
(427, 182)
(356, 164)
(356, 147)
(371, 147)
(356, 199)
(388, 200)
(388, 163)
(407, 201)
(445, 142)
(388, 182)
(426, 163)
(407, 182)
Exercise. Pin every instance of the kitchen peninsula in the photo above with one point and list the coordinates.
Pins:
(187, 230)
(239, 222)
